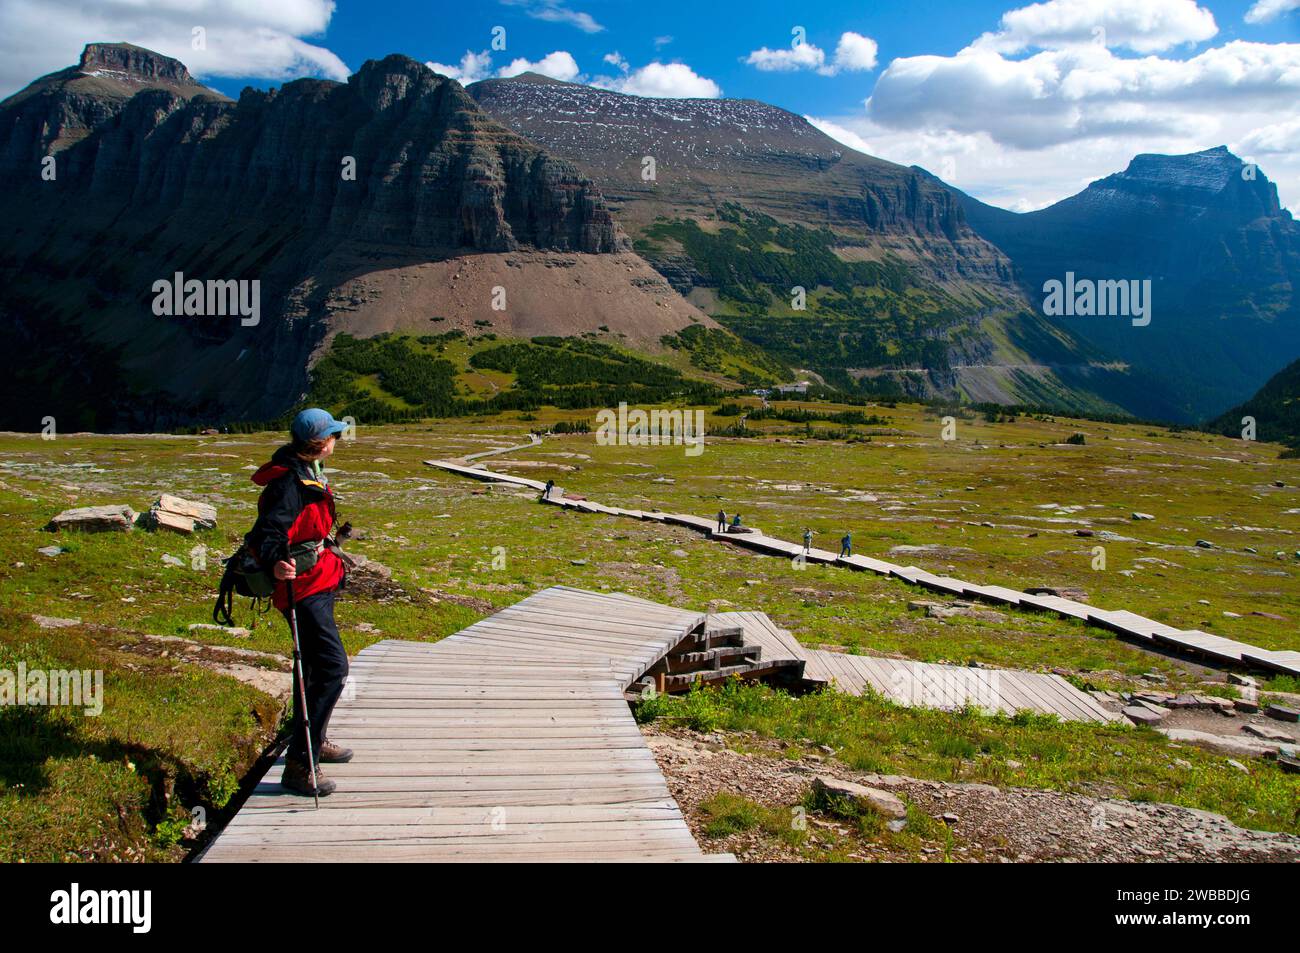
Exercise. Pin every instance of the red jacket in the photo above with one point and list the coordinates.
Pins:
(295, 507)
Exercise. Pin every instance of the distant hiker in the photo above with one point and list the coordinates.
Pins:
(295, 515)
(722, 521)
(846, 545)
(546, 493)
(735, 522)
(807, 541)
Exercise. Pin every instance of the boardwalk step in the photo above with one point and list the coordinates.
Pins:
(716, 637)
(715, 658)
(760, 669)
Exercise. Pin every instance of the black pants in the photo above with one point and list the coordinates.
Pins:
(324, 669)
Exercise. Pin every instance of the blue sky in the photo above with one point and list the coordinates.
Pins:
(1020, 104)
(712, 37)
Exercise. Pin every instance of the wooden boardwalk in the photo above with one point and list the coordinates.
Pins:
(512, 740)
(923, 684)
(508, 741)
(1128, 625)
(533, 441)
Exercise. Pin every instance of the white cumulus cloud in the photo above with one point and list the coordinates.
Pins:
(1265, 11)
(558, 65)
(1083, 92)
(787, 58)
(1276, 139)
(472, 67)
(853, 52)
(1148, 26)
(662, 81)
(240, 38)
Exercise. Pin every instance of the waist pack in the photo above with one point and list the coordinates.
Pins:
(245, 576)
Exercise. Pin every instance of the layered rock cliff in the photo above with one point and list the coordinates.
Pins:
(156, 175)
(61, 109)
(431, 169)
(736, 201)
(707, 152)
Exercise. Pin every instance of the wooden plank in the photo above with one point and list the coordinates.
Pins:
(521, 716)
(908, 573)
(398, 853)
(878, 566)
(1288, 663)
(1216, 647)
(954, 587)
(999, 595)
(1130, 624)
(847, 676)
(1044, 697)
(273, 797)
(1066, 608)
(523, 814)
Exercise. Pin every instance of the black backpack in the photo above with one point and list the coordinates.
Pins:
(244, 575)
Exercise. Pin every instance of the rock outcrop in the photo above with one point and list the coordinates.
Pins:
(95, 519)
(180, 516)
(61, 109)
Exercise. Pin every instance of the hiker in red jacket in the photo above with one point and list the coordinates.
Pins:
(291, 540)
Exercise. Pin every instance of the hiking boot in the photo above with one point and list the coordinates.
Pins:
(297, 779)
(330, 753)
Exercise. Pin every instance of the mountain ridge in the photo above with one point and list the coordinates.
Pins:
(748, 200)
(1274, 408)
(256, 188)
(850, 190)
(1221, 252)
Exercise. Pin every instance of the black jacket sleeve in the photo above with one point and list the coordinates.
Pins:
(281, 503)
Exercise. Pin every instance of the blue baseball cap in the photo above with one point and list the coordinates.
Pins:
(315, 424)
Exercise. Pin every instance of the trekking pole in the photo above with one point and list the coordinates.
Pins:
(302, 691)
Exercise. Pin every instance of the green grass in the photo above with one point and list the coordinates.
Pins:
(121, 785)
(870, 734)
(792, 826)
(732, 814)
(1282, 683)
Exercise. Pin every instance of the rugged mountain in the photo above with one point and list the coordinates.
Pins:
(62, 108)
(737, 202)
(708, 152)
(355, 206)
(1222, 256)
(1276, 409)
